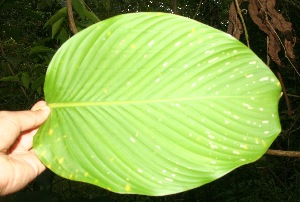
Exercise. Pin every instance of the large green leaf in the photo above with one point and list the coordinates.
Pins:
(155, 104)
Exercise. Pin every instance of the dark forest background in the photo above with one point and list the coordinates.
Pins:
(32, 31)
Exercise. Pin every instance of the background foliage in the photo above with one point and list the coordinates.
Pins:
(31, 32)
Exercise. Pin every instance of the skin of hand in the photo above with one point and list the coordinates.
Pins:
(19, 164)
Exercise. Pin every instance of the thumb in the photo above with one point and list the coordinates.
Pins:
(34, 118)
(40, 105)
(12, 123)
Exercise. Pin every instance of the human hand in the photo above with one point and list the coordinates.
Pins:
(19, 164)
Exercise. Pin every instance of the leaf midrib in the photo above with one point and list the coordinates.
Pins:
(132, 102)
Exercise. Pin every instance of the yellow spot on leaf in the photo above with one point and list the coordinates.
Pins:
(61, 160)
(132, 46)
(104, 90)
(43, 153)
(193, 30)
(86, 174)
(50, 132)
(127, 188)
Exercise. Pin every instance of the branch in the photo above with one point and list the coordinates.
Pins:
(286, 97)
(235, 27)
(283, 153)
(174, 6)
(2, 51)
(237, 4)
(198, 8)
(71, 18)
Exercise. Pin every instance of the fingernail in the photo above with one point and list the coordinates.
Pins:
(43, 108)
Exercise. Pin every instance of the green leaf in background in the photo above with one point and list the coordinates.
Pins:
(90, 15)
(14, 61)
(106, 4)
(63, 12)
(40, 49)
(10, 78)
(25, 79)
(155, 104)
(63, 35)
(38, 82)
(57, 26)
(79, 7)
